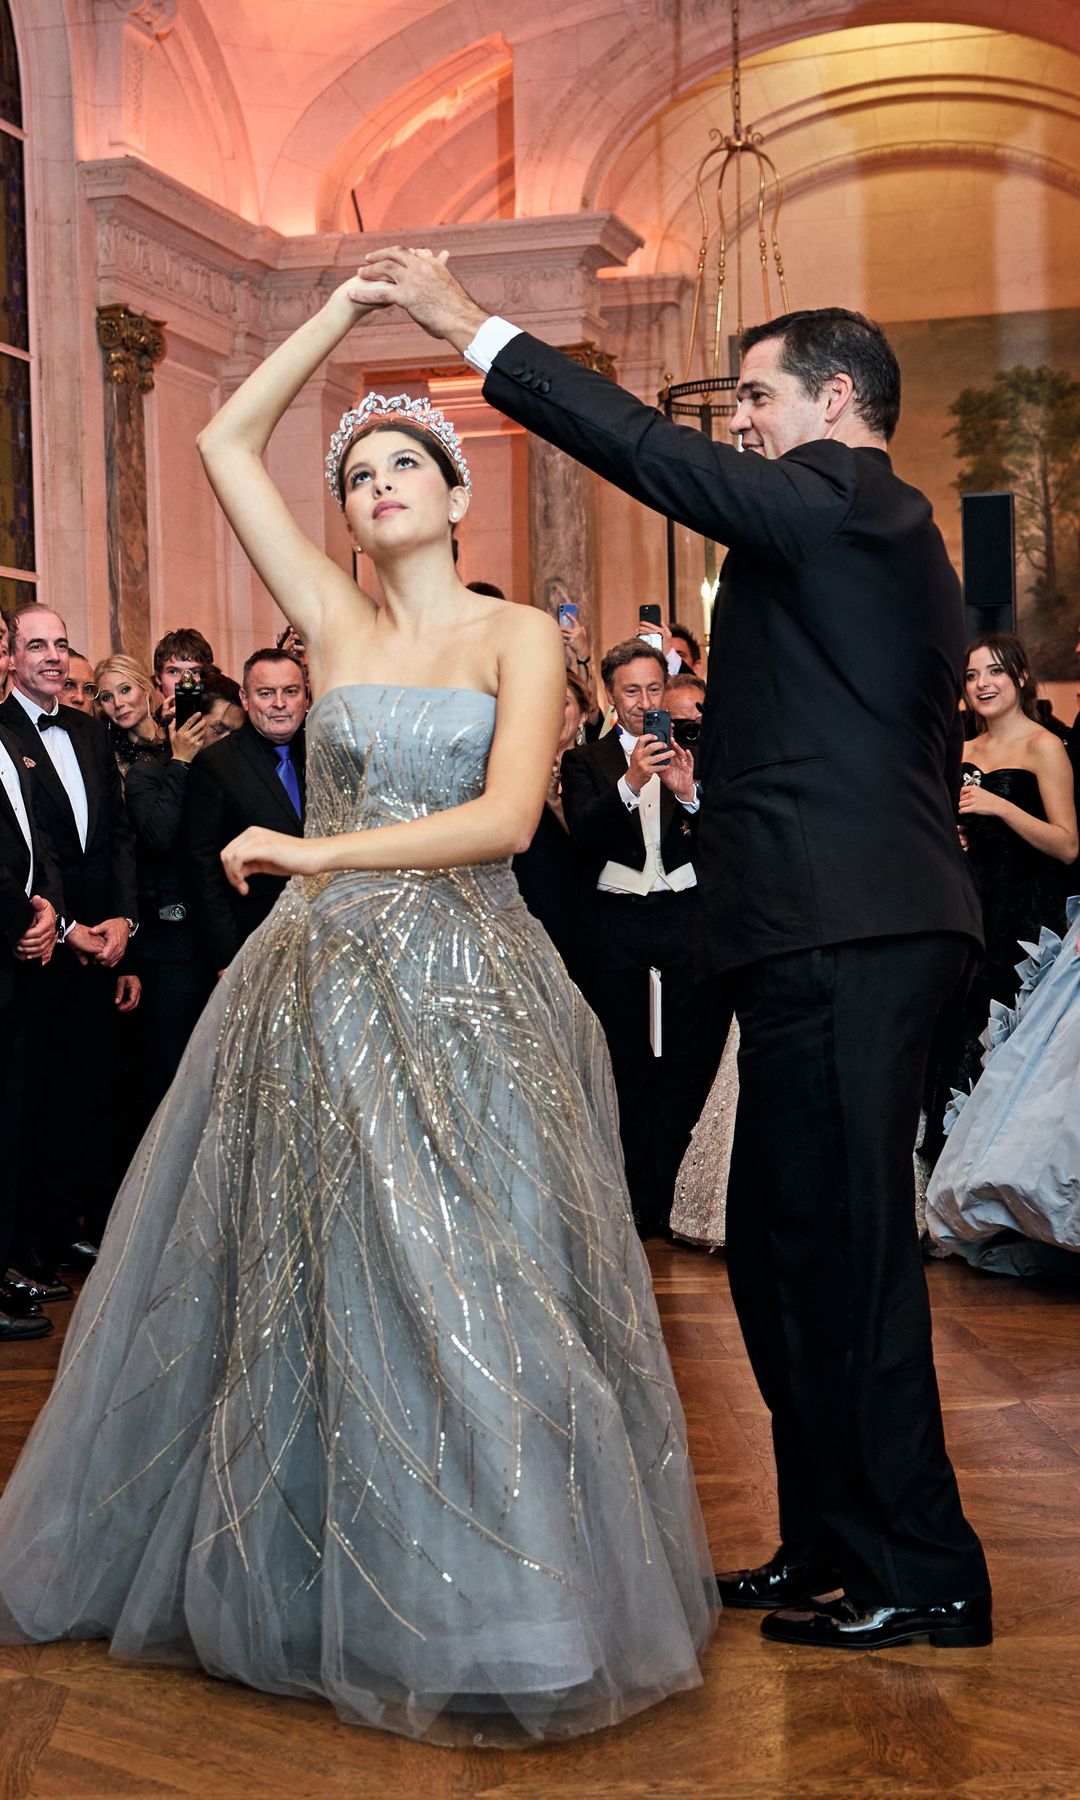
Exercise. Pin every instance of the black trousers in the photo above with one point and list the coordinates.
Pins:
(660, 1098)
(826, 1271)
(12, 1050)
(67, 1182)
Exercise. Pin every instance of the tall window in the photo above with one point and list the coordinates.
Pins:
(17, 568)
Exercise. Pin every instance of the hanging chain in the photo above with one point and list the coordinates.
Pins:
(736, 75)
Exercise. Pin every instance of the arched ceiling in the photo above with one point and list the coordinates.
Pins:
(472, 109)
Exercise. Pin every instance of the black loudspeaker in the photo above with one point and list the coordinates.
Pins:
(989, 562)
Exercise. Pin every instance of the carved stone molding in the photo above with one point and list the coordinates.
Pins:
(590, 357)
(132, 344)
(156, 16)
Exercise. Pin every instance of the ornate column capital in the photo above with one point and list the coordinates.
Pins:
(590, 356)
(155, 16)
(132, 344)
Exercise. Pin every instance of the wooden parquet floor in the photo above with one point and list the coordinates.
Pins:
(769, 1723)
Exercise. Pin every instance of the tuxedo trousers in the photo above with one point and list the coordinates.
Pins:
(825, 1263)
(67, 1175)
(660, 1097)
(12, 1049)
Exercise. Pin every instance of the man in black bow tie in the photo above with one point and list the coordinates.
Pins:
(79, 804)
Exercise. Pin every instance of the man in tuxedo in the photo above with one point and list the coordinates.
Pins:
(30, 904)
(253, 777)
(70, 1001)
(630, 805)
(836, 903)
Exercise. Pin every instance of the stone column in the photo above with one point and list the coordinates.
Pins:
(131, 345)
(562, 518)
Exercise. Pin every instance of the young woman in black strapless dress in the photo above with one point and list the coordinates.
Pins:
(1018, 823)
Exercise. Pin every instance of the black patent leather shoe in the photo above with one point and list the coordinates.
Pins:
(46, 1283)
(80, 1257)
(14, 1331)
(846, 1625)
(789, 1576)
(20, 1299)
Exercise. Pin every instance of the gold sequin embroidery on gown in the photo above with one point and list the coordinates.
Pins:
(367, 1396)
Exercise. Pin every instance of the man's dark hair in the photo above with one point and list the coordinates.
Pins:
(217, 686)
(829, 340)
(688, 639)
(271, 653)
(186, 645)
(621, 654)
(486, 587)
(687, 679)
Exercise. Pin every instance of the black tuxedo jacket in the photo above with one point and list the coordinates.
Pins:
(830, 745)
(98, 882)
(600, 823)
(232, 785)
(16, 912)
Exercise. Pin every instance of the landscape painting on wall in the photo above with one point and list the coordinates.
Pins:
(993, 403)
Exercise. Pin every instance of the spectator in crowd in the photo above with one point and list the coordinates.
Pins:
(687, 648)
(79, 689)
(1018, 825)
(630, 805)
(5, 657)
(30, 903)
(125, 697)
(550, 872)
(179, 653)
(684, 697)
(255, 777)
(221, 707)
(72, 1000)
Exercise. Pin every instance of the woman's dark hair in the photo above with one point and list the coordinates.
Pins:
(1007, 650)
(829, 340)
(423, 438)
(579, 691)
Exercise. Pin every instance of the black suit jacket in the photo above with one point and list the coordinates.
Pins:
(98, 882)
(830, 747)
(232, 785)
(16, 912)
(601, 824)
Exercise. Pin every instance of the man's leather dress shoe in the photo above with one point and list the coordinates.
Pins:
(847, 1625)
(46, 1283)
(788, 1577)
(20, 1299)
(80, 1256)
(13, 1331)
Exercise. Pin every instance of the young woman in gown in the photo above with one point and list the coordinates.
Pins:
(367, 1395)
(1017, 818)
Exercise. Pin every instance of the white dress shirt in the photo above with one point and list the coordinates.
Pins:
(9, 775)
(653, 878)
(60, 750)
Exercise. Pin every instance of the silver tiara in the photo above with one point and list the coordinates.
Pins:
(400, 407)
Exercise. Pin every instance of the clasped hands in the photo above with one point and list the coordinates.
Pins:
(675, 767)
(421, 284)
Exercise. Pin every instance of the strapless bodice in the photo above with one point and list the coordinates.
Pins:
(378, 754)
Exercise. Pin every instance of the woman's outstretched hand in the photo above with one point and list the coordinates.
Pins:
(260, 852)
(421, 284)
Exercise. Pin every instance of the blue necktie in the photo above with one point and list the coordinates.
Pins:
(287, 775)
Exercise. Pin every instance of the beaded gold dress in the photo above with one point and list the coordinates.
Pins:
(367, 1396)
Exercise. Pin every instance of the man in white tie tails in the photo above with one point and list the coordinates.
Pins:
(631, 805)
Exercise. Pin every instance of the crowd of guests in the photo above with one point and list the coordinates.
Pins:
(120, 785)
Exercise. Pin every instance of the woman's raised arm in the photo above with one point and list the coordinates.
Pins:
(302, 579)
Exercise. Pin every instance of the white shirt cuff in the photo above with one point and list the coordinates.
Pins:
(493, 335)
(691, 806)
(628, 796)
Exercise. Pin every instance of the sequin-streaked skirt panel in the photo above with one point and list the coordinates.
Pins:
(367, 1396)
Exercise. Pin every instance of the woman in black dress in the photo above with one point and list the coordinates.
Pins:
(1018, 825)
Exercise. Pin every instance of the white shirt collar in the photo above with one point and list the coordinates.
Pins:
(31, 707)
